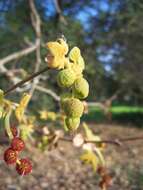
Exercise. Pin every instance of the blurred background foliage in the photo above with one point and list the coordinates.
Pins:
(108, 32)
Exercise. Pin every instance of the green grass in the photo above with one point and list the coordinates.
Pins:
(120, 114)
(126, 109)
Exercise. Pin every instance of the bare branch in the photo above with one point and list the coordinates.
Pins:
(14, 79)
(118, 141)
(29, 78)
(35, 18)
(59, 11)
(18, 54)
(57, 6)
(48, 91)
(36, 23)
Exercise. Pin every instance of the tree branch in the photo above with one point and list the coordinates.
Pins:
(48, 91)
(35, 18)
(29, 78)
(18, 54)
(36, 23)
(60, 16)
(118, 141)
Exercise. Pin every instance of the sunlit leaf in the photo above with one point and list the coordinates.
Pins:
(44, 115)
(74, 54)
(1, 97)
(89, 134)
(26, 131)
(89, 157)
(19, 112)
(100, 156)
(58, 50)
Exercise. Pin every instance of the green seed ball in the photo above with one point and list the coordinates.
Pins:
(81, 88)
(73, 107)
(66, 77)
(64, 97)
(72, 123)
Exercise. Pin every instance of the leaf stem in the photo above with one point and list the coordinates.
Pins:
(7, 124)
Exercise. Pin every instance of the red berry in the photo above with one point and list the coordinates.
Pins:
(10, 156)
(24, 167)
(17, 144)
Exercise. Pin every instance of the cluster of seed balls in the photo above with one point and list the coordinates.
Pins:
(23, 166)
(71, 103)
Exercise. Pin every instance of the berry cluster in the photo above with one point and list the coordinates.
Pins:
(70, 78)
(23, 166)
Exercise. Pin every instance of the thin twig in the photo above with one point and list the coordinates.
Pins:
(19, 84)
(18, 54)
(48, 91)
(36, 23)
(118, 141)
(59, 12)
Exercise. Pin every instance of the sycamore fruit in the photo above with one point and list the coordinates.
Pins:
(64, 97)
(81, 88)
(72, 123)
(73, 107)
(66, 78)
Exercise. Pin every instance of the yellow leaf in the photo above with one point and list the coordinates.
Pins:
(100, 156)
(74, 54)
(25, 99)
(52, 116)
(89, 134)
(1, 112)
(1, 96)
(43, 114)
(47, 115)
(19, 112)
(58, 50)
(78, 64)
(31, 119)
(26, 131)
(89, 157)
